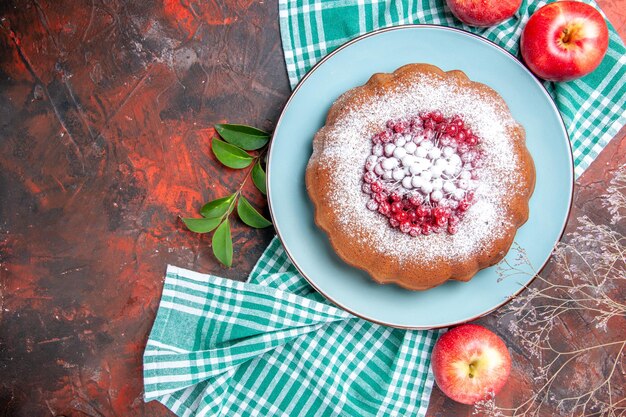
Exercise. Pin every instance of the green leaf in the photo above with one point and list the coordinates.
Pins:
(223, 244)
(246, 137)
(230, 155)
(258, 177)
(250, 216)
(217, 208)
(201, 225)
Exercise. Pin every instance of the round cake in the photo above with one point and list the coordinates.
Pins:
(420, 176)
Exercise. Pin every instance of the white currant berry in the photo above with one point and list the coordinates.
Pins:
(421, 151)
(450, 170)
(434, 153)
(379, 170)
(390, 163)
(449, 187)
(399, 152)
(436, 171)
(410, 147)
(408, 160)
(426, 175)
(436, 195)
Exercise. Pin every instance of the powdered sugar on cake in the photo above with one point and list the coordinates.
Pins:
(347, 153)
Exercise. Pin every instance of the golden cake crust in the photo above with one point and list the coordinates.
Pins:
(414, 274)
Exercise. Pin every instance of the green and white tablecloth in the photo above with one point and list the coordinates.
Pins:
(275, 347)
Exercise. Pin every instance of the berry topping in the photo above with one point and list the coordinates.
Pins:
(422, 172)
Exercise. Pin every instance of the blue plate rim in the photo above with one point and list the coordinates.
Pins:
(338, 50)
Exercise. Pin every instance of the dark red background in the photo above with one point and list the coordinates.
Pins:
(106, 110)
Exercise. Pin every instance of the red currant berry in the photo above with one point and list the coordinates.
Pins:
(464, 205)
(452, 229)
(381, 197)
(401, 127)
(429, 124)
(415, 231)
(405, 227)
(413, 216)
(376, 187)
(471, 140)
(402, 216)
(396, 207)
(461, 136)
(452, 130)
(453, 221)
(384, 208)
(441, 221)
(437, 116)
(395, 196)
(393, 222)
(385, 136)
(439, 212)
(369, 178)
(426, 229)
(415, 200)
(416, 122)
(441, 128)
(423, 211)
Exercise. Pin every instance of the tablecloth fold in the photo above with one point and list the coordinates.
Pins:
(274, 346)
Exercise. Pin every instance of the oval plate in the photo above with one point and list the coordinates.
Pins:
(352, 65)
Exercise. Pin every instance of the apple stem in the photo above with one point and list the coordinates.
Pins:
(566, 36)
(472, 366)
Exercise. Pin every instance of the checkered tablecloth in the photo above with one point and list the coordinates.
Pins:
(275, 347)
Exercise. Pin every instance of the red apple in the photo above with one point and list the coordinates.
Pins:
(470, 363)
(565, 40)
(483, 12)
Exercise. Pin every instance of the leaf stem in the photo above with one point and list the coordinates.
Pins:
(237, 193)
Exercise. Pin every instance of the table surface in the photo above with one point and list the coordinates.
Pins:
(105, 111)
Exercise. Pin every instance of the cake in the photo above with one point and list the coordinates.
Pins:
(420, 176)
